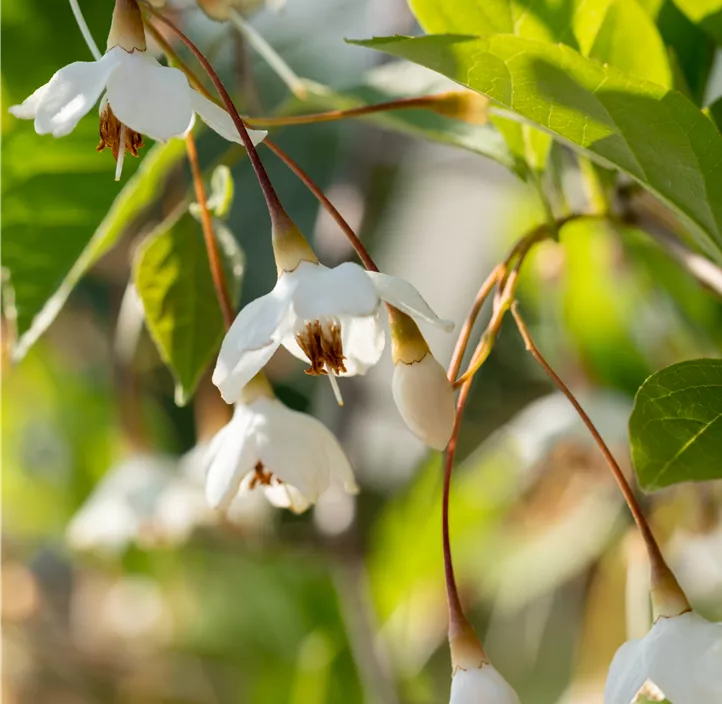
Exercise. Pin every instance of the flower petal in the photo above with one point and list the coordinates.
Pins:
(300, 451)
(627, 673)
(287, 496)
(684, 658)
(231, 456)
(220, 121)
(151, 99)
(321, 292)
(481, 685)
(70, 94)
(402, 295)
(363, 341)
(425, 400)
(255, 335)
(27, 109)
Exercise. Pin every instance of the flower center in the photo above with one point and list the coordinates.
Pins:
(117, 137)
(262, 477)
(321, 343)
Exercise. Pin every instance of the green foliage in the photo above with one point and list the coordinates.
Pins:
(706, 13)
(676, 425)
(173, 278)
(655, 135)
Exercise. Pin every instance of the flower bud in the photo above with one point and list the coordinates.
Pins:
(464, 105)
(422, 392)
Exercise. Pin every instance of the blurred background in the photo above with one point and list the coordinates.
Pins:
(118, 585)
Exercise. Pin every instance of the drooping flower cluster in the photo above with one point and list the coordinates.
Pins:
(142, 98)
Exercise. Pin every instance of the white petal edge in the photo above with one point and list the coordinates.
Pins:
(220, 121)
(684, 658)
(254, 336)
(363, 341)
(627, 673)
(151, 99)
(71, 93)
(402, 295)
(425, 400)
(232, 455)
(27, 109)
(481, 685)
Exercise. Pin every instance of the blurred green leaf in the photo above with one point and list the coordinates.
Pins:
(403, 80)
(173, 278)
(51, 213)
(655, 135)
(676, 426)
(706, 13)
(222, 192)
(691, 51)
(715, 113)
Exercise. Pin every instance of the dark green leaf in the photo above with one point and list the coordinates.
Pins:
(655, 135)
(675, 429)
(173, 278)
(706, 13)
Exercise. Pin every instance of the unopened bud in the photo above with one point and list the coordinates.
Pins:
(465, 105)
(422, 392)
(126, 29)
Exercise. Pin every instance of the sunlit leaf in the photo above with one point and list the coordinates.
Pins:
(173, 278)
(676, 425)
(655, 135)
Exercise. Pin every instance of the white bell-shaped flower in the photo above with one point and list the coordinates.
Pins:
(327, 317)
(421, 389)
(681, 656)
(141, 96)
(481, 685)
(291, 456)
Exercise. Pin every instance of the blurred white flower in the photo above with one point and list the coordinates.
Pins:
(292, 456)
(681, 656)
(481, 685)
(122, 507)
(142, 97)
(327, 317)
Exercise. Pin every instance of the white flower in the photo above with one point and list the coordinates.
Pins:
(423, 393)
(292, 456)
(328, 317)
(141, 97)
(681, 655)
(481, 685)
(122, 507)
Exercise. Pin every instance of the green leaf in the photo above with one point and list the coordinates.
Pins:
(657, 136)
(706, 13)
(715, 113)
(173, 278)
(51, 235)
(222, 192)
(675, 429)
(403, 80)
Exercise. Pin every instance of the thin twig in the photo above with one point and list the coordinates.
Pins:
(419, 102)
(326, 203)
(214, 256)
(275, 208)
(655, 554)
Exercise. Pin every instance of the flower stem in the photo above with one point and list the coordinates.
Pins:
(667, 595)
(214, 256)
(326, 203)
(85, 30)
(275, 209)
(423, 101)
